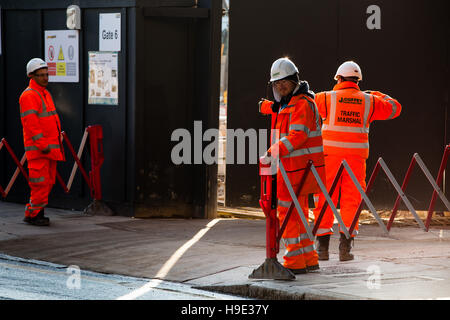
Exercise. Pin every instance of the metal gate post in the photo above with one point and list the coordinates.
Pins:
(97, 207)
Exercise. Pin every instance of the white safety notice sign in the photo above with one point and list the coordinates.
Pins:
(61, 55)
(103, 78)
(109, 31)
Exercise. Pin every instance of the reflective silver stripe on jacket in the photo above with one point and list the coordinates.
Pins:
(394, 110)
(47, 114)
(289, 241)
(31, 111)
(309, 133)
(321, 231)
(349, 145)
(50, 146)
(44, 106)
(36, 180)
(302, 152)
(294, 253)
(287, 144)
(37, 137)
(284, 204)
(345, 129)
(309, 248)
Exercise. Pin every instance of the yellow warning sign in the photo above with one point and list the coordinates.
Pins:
(60, 68)
(61, 54)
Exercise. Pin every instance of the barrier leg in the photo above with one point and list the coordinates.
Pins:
(438, 182)
(404, 185)
(374, 174)
(325, 205)
(97, 207)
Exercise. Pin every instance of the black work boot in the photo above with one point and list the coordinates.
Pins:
(39, 220)
(345, 245)
(322, 247)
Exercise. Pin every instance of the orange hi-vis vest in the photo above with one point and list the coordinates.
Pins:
(297, 138)
(347, 113)
(41, 124)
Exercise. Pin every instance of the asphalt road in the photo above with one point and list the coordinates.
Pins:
(25, 279)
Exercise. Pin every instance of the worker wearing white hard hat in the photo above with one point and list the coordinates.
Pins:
(296, 139)
(347, 113)
(42, 140)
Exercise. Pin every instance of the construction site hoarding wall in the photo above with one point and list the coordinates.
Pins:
(168, 65)
(403, 50)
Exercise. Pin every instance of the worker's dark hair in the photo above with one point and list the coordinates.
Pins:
(352, 79)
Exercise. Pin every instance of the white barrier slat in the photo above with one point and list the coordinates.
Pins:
(295, 200)
(75, 166)
(364, 196)
(401, 193)
(431, 180)
(330, 202)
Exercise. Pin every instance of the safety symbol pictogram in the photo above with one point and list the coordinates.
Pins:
(61, 54)
(51, 53)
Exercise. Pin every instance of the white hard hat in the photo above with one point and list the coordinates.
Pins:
(35, 64)
(349, 69)
(281, 69)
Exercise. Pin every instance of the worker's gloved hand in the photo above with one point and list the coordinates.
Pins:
(46, 150)
(276, 106)
(260, 103)
(265, 159)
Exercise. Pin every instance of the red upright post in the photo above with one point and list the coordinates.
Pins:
(438, 182)
(97, 158)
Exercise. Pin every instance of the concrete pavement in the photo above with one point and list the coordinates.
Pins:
(218, 255)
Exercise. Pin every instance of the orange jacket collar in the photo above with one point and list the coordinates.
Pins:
(34, 85)
(346, 85)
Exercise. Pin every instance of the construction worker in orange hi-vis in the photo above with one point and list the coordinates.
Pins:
(42, 140)
(347, 113)
(296, 138)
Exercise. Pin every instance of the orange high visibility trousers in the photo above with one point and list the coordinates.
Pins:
(42, 174)
(300, 251)
(350, 197)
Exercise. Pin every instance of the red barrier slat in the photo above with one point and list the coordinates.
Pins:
(438, 182)
(374, 174)
(291, 207)
(404, 185)
(14, 157)
(331, 192)
(61, 182)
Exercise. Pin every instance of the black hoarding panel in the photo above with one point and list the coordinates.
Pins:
(18, 48)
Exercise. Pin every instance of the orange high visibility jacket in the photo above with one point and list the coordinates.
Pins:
(347, 113)
(41, 124)
(297, 138)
